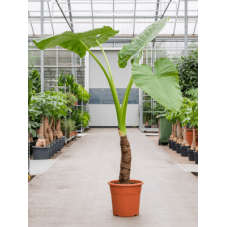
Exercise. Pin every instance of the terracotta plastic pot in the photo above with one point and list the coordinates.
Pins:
(189, 135)
(75, 103)
(71, 134)
(125, 198)
(75, 133)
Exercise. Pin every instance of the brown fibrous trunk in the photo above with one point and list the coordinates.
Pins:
(193, 145)
(185, 142)
(171, 136)
(125, 167)
(180, 138)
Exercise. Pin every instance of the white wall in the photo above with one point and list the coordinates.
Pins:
(105, 114)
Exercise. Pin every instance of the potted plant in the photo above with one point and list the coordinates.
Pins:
(49, 104)
(172, 116)
(191, 118)
(147, 114)
(32, 118)
(164, 89)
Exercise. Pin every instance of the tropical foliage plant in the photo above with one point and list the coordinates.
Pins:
(162, 86)
(188, 72)
(50, 103)
(70, 126)
(32, 113)
(71, 99)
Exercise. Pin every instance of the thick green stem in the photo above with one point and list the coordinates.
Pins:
(124, 108)
(113, 88)
(110, 81)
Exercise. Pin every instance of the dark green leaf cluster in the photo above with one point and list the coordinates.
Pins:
(70, 126)
(188, 113)
(35, 77)
(75, 88)
(71, 99)
(188, 72)
(80, 119)
(50, 103)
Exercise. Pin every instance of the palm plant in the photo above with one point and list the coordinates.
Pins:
(163, 87)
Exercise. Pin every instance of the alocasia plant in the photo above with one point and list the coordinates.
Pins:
(163, 86)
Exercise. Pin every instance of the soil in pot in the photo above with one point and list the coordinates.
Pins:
(173, 145)
(184, 152)
(178, 147)
(125, 198)
(170, 144)
(190, 154)
(196, 157)
(40, 152)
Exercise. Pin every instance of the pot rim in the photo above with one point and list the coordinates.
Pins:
(111, 183)
(40, 147)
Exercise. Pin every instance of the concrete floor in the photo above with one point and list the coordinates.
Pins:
(74, 191)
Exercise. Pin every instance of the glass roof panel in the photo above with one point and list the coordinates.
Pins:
(105, 12)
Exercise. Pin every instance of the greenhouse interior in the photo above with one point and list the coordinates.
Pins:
(113, 105)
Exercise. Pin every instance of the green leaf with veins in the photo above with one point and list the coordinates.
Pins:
(135, 48)
(73, 41)
(163, 87)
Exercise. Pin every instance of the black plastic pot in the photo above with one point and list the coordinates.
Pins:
(50, 150)
(196, 157)
(184, 152)
(170, 144)
(56, 146)
(147, 126)
(178, 147)
(40, 152)
(60, 144)
(190, 154)
(173, 145)
(63, 141)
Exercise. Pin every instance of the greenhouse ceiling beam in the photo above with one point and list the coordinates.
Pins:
(113, 14)
(31, 25)
(185, 27)
(42, 51)
(166, 9)
(92, 15)
(63, 15)
(51, 19)
(128, 38)
(111, 17)
(134, 19)
(176, 17)
(70, 15)
(195, 27)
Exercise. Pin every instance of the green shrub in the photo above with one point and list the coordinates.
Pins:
(188, 72)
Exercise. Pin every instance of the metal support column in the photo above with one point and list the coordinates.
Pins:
(185, 27)
(42, 52)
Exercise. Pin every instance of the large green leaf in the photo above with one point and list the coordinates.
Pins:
(135, 48)
(72, 41)
(163, 87)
